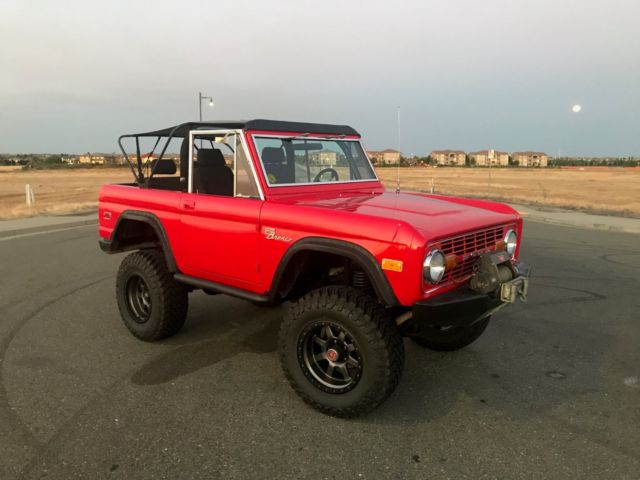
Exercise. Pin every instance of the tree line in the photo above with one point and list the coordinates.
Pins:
(552, 162)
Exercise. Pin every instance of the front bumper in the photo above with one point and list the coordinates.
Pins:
(463, 307)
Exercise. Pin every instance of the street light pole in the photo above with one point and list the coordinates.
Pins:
(490, 156)
(200, 98)
(399, 154)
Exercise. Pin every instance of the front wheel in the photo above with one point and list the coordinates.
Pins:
(340, 351)
(452, 338)
(151, 303)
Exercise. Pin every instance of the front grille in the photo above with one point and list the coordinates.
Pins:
(463, 246)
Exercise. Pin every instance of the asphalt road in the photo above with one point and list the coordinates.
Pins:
(551, 390)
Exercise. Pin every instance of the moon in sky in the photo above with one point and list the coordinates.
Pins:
(576, 108)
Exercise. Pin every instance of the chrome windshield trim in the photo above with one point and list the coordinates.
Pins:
(308, 137)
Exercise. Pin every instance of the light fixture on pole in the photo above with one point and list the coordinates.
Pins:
(200, 98)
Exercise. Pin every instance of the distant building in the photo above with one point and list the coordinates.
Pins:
(530, 159)
(449, 157)
(327, 158)
(486, 158)
(94, 159)
(385, 157)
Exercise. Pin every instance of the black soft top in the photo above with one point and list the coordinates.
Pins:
(181, 131)
(259, 124)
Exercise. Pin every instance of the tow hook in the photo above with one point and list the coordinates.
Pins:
(516, 288)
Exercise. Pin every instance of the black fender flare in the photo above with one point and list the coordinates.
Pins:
(112, 245)
(354, 252)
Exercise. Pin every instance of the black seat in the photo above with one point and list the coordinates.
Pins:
(211, 175)
(276, 167)
(164, 167)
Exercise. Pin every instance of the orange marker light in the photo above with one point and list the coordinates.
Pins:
(452, 261)
(393, 265)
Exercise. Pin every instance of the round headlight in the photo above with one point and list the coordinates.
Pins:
(511, 241)
(434, 266)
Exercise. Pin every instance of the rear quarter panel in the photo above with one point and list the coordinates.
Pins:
(113, 200)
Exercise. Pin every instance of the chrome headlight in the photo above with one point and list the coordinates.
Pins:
(511, 241)
(434, 266)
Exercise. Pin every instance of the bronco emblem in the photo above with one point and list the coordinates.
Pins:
(270, 234)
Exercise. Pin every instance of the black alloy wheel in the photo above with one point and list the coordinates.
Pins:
(138, 298)
(330, 357)
(340, 350)
(152, 304)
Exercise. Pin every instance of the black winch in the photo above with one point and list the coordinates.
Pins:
(490, 271)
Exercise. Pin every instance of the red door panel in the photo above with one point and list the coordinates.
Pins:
(220, 239)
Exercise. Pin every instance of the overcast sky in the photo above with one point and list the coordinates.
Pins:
(467, 74)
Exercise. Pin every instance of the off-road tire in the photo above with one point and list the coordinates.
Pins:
(169, 300)
(380, 348)
(451, 339)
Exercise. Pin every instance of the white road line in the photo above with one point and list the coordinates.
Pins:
(32, 234)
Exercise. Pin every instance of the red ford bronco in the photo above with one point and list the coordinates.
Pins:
(273, 212)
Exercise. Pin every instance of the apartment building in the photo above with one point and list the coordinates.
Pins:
(325, 158)
(385, 157)
(530, 159)
(449, 157)
(487, 158)
(94, 159)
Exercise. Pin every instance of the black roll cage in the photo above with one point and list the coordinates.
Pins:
(182, 131)
(139, 175)
(170, 134)
(179, 131)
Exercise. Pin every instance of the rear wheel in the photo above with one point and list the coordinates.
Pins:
(340, 351)
(452, 338)
(151, 303)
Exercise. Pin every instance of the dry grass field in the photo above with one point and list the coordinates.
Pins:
(613, 191)
(56, 192)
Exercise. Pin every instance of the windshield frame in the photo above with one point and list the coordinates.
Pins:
(254, 136)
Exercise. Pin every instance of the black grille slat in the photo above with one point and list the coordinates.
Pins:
(469, 243)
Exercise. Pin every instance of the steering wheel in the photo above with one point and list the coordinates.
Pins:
(334, 174)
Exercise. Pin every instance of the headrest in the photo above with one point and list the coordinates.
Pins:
(163, 167)
(210, 157)
(273, 156)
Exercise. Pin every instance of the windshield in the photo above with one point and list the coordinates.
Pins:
(299, 161)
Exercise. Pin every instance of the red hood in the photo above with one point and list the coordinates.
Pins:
(433, 216)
